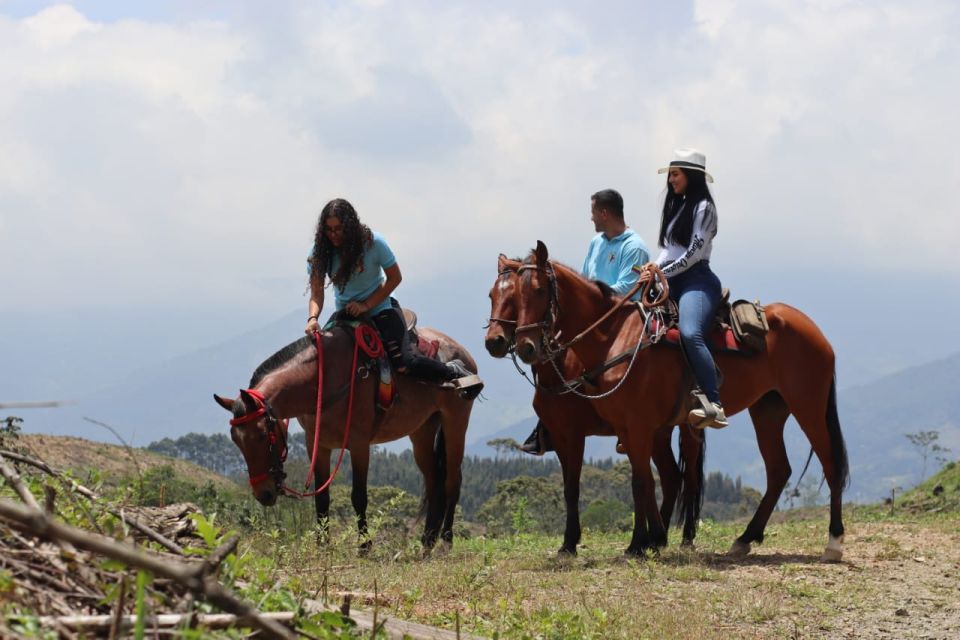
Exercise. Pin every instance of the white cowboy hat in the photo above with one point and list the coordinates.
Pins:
(689, 159)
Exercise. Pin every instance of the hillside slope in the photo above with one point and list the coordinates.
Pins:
(111, 461)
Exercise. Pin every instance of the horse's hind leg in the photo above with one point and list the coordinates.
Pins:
(669, 472)
(820, 423)
(360, 461)
(693, 448)
(769, 415)
(424, 441)
(454, 430)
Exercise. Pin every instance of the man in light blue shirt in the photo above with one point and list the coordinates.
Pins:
(616, 248)
(612, 254)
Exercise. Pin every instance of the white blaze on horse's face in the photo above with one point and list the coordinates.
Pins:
(503, 314)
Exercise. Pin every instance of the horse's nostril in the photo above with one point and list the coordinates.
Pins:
(525, 350)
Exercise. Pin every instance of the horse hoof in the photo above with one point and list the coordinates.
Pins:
(567, 552)
(834, 550)
(687, 545)
(739, 549)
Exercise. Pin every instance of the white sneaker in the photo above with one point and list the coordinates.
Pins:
(712, 417)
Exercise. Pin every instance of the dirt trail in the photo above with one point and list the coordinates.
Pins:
(911, 577)
(897, 581)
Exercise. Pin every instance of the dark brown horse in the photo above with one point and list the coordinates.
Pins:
(569, 419)
(434, 417)
(794, 375)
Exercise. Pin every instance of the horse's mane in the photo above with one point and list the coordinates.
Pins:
(280, 358)
(605, 289)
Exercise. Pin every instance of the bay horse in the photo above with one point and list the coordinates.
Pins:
(794, 375)
(434, 417)
(569, 419)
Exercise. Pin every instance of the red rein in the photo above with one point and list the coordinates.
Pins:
(366, 338)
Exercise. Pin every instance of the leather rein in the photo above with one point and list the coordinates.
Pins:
(553, 348)
(549, 321)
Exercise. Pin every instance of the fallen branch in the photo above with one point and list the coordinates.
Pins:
(90, 495)
(393, 628)
(11, 476)
(190, 577)
(166, 620)
(217, 556)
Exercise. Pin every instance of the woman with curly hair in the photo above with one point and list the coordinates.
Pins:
(364, 272)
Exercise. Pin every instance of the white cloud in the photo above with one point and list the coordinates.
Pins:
(175, 162)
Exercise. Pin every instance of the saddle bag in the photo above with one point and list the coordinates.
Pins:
(749, 323)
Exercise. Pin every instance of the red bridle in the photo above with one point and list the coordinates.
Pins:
(278, 457)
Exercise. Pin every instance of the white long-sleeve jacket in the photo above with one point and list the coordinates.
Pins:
(674, 259)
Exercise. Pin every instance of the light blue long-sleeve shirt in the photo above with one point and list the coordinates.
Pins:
(612, 260)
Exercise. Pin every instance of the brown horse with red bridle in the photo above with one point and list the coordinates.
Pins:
(285, 386)
(570, 418)
(794, 375)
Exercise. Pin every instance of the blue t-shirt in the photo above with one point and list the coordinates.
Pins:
(612, 261)
(367, 278)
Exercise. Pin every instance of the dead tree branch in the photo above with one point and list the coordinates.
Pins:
(37, 522)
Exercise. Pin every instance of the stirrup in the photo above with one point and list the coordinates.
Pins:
(708, 414)
(468, 384)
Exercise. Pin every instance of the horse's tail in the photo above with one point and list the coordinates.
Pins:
(838, 448)
(693, 503)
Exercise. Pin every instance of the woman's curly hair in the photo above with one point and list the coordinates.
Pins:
(356, 238)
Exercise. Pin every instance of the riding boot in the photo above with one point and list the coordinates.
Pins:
(538, 442)
(458, 371)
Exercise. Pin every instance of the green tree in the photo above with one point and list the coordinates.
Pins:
(525, 503)
(925, 442)
(607, 515)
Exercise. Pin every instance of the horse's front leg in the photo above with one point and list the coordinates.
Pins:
(321, 501)
(639, 450)
(360, 461)
(569, 443)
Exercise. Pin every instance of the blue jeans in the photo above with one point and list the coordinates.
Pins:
(697, 293)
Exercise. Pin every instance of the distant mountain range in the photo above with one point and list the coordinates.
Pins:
(174, 398)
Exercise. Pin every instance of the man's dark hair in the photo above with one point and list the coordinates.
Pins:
(610, 201)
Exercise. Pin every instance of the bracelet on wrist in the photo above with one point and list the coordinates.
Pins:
(313, 318)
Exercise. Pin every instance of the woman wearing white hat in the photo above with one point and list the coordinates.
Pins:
(687, 229)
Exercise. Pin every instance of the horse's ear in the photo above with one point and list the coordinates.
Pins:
(223, 402)
(541, 253)
(501, 262)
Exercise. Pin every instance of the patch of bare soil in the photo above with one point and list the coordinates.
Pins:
(913, 577)
(897, 580)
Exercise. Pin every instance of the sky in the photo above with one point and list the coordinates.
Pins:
(162, 164)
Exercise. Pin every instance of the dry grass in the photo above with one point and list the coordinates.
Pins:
(518, 588)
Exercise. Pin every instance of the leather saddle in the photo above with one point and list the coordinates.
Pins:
(725, 335)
